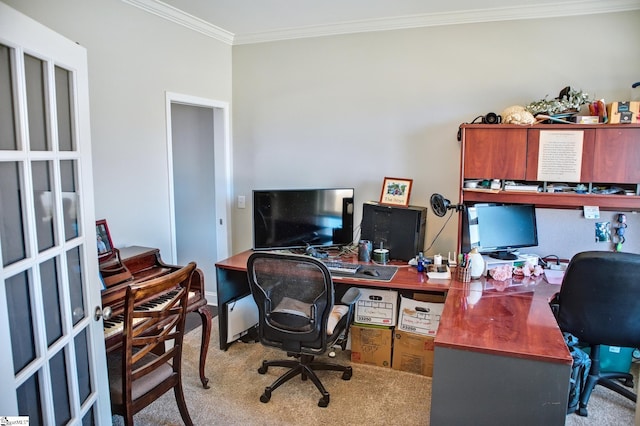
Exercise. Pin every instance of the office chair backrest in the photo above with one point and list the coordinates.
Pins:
(294, 294)
(599, 300)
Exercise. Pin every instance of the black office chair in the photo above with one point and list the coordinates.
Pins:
(294, 294)
(599, 303)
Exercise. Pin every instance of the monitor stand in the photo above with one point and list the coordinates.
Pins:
(503, 255)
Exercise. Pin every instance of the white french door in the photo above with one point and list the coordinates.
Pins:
(53, 369)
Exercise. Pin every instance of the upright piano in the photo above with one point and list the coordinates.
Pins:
(138, 264)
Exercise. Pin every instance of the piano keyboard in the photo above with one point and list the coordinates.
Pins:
(114, 325)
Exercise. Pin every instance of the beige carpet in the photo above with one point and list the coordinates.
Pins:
(373, 396)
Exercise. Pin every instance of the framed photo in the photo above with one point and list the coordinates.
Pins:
(103, 239)
(396, 191)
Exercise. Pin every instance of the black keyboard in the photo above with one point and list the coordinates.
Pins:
(341, 267)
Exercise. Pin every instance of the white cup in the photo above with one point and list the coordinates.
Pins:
(437, 260)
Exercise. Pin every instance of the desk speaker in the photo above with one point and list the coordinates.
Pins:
(399, 229)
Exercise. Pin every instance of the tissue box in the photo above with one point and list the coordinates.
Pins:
(554, 276)
(623, 112)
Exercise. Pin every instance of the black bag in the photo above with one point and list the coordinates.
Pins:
(579, 371)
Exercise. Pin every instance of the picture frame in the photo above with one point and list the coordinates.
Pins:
(103, 240)
(396, 191)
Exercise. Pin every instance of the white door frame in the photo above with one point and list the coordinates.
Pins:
(222, 158)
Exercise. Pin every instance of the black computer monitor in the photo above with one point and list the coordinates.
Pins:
(499, 229)
(300, 218)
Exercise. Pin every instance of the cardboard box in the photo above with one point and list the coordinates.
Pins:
(371, 345)
(413, 353)
(419, 317)
(623, 112)
(377, 307)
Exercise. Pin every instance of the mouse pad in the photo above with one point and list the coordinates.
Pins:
(386, 272)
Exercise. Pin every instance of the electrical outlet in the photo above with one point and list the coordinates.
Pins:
(241, 202)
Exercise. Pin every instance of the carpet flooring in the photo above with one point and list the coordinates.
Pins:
(373, 396)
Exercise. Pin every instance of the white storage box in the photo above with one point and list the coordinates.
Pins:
(377, 307)
(419, 317)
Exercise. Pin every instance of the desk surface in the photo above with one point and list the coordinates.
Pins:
(407, 278)
(510, 318)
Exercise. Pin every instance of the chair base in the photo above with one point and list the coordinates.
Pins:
(610, 381)
(305, 366)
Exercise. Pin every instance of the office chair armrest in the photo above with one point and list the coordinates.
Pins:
(335, 316)
(351, 296)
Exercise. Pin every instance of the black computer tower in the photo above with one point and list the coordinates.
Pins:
(401, 230)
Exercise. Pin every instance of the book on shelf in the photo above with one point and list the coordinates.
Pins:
(522, 187)
(492, 191)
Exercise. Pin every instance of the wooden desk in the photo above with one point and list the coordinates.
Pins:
(500, 357)
(232, 283)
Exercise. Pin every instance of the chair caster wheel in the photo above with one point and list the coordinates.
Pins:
(346, 375)
(324, 401)
(266, 396)
(263, 368)
(628, 383)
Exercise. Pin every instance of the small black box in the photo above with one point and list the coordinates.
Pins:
(401, 230)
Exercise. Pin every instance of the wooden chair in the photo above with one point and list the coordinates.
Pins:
(149, 363)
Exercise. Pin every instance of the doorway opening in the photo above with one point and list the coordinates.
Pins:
(200, 182)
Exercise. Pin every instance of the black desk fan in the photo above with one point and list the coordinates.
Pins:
(440, 205)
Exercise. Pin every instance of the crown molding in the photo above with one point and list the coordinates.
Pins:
(172, 14)
(547, 10)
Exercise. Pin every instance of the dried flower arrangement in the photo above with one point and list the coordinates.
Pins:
(569, 100)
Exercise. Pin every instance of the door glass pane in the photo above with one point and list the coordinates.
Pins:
(60, 388)
(63, 108)
(34, 70)
(75, 284)
(88, 419)
(29, 400)
(11, 220)
(82, 362)
(23, 345)
(51, 299)
(7, 111)
(43, 202)
(69, 198)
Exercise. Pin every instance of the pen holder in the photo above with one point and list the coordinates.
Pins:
(463, 274)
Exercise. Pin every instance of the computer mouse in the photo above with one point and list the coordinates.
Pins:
(372, 273)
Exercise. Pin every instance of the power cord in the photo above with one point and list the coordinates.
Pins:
(439, 232)
(544, 262)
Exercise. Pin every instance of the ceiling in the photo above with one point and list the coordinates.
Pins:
(254, 21)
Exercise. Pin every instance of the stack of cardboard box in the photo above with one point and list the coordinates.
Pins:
(372, 332)
(401, 339)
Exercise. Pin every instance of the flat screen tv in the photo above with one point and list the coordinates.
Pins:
(300, 218)
(500, 229)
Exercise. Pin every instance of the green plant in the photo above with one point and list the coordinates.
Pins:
(568, 100)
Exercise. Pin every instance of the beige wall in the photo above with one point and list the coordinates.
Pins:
(328, 111)
(134, 58)
(350, 110)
